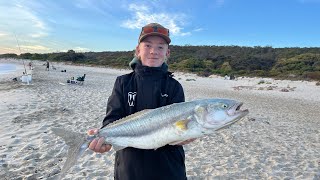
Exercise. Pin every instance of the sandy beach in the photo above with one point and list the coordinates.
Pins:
(279, 139)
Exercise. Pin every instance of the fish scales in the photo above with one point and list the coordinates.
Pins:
(149, 121)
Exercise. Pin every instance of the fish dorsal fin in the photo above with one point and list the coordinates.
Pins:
(136, 115)
(181, 124)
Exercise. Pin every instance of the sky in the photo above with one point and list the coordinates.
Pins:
(45, 26)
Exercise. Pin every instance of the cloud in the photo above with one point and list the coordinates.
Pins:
(18, 17)
(4, 50)
(2, 34)
(142, 15)
(24, 49)
(76, 49)
(100, 7)
(81, 49)
(198, 29)
(134, 7)
(185, 34)
(38, 34)
(35, 48)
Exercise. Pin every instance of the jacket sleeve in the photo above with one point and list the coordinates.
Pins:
(115, 105)
(178, 94)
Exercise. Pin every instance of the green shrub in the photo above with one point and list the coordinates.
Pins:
(312, 75)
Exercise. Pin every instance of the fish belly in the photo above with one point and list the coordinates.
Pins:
(152, 140)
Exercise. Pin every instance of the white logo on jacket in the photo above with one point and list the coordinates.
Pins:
(164, 95)
(131, 98)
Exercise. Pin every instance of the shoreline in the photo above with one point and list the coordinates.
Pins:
(17, 61)
(17, 72)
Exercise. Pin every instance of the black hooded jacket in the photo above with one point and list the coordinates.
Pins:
(146, 88)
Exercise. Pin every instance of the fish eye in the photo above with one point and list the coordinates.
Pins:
(224, 106)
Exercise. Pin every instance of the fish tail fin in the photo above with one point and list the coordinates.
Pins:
(77, 145)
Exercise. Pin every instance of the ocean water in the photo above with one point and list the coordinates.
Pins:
(7, 68)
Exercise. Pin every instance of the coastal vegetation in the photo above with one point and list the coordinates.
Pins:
(281, 63)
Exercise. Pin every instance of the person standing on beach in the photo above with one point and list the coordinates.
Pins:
(47, 68)
(149, 86)
(30, 65)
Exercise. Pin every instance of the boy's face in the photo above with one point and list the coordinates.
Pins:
(152, 51)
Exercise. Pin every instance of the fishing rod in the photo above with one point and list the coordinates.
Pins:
(25, 70)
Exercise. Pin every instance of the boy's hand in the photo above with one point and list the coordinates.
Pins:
(97, 145)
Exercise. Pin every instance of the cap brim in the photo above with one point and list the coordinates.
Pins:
(166, 38)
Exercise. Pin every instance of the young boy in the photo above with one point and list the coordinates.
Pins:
(149, 86)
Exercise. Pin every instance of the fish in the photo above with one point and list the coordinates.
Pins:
(154, 128)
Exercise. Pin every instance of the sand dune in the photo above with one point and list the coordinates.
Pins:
(279, 139)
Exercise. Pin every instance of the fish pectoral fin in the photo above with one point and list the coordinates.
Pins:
(117, 148)
(175, 143)
(182, 125)
(200, 110)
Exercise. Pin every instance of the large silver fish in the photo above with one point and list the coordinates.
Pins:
(154, 128)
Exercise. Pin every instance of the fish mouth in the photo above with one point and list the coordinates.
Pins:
(235, 110)
(236, 113)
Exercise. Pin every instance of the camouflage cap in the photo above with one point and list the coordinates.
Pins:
(154, 29)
